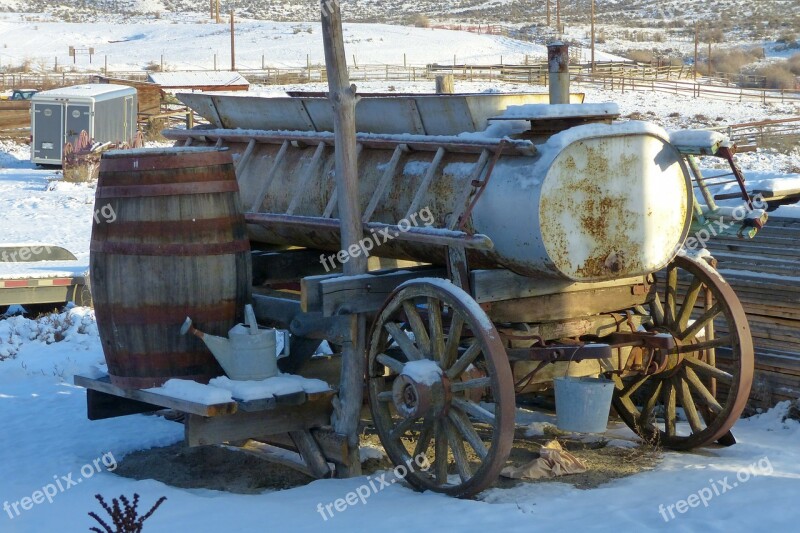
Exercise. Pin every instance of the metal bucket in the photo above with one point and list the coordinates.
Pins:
(583, 403)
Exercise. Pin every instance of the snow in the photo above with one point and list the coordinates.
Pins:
(424, 371)
(191, 391)
(189, 79)
(267, 388)
(698, 138)
(540, 111)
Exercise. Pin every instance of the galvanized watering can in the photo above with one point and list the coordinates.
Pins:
(249, 353)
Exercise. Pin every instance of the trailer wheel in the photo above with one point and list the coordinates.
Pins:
(708, 374)
(433, 356)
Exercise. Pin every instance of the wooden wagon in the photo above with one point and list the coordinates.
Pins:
(447, 340)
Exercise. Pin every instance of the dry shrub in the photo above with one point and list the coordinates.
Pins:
(641, 56)
(794, 64)
(778, 76)
(421, 21)
(732, 61)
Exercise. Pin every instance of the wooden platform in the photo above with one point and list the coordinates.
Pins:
(286, 418)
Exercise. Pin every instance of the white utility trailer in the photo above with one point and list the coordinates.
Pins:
(106, 112)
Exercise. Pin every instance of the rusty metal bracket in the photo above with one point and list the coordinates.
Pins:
(641, 339)
(560, 352)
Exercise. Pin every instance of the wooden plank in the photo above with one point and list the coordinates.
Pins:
(202, 430)
(104, 385)
(386, 178)
(311, 452)
(273, 454)
(566, 305)
(433, 168)
(422, 235)
(333, 446)
(268, 179)
(365, 293)
(311, 299)
(248, 152)
(100, 406)
(500, 284)
(302, 186)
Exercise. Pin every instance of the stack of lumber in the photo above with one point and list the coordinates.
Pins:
(765, 273)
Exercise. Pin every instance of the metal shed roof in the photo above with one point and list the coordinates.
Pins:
(88, 90)
(188, 80)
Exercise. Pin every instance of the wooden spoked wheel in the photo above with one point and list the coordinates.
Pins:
(434, 357)
(709, 373)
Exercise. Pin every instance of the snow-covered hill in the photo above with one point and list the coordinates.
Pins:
(774, 15)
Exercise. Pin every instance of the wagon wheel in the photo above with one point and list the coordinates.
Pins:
(433, 356)
(708, 374)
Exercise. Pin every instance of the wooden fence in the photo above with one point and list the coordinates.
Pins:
(620, 76)
(763, 272)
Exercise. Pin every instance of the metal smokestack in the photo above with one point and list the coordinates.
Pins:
(558, 63)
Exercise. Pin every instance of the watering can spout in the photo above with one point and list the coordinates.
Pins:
(248, 353)
(220, 347)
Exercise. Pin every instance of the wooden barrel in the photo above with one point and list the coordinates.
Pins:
(169, 241)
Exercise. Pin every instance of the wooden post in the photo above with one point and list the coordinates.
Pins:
(215, 62)
(558, 16)
(592, 36)
(55, 69)
(162, 63)
(105, 65)
(233, 44)
(212, 9)
(343, 97)
(548, 13)
(709, 57)
(216, 15)
(445, 84)
(696, 43)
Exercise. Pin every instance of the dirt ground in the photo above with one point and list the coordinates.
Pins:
(220, 468)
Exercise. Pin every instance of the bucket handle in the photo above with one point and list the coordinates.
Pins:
(569, 362)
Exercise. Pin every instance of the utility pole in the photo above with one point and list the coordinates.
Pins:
(592, 36)
(709, 56)
(696, 44)
(233, 44)
(558, 16)
(548, 13)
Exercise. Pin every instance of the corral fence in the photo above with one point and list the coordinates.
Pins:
(763, 132)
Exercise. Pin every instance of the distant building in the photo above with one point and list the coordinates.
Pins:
(200, 81)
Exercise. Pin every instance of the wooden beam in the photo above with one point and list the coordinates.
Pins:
(201, 431)
(334, 447)
(498, 285)
(100, 406)
(167, 402)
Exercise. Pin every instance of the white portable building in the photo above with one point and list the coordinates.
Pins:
(106, 112)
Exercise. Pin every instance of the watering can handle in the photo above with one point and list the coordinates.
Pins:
(250, 319)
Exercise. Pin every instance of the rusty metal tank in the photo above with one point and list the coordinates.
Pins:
(593, 202)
